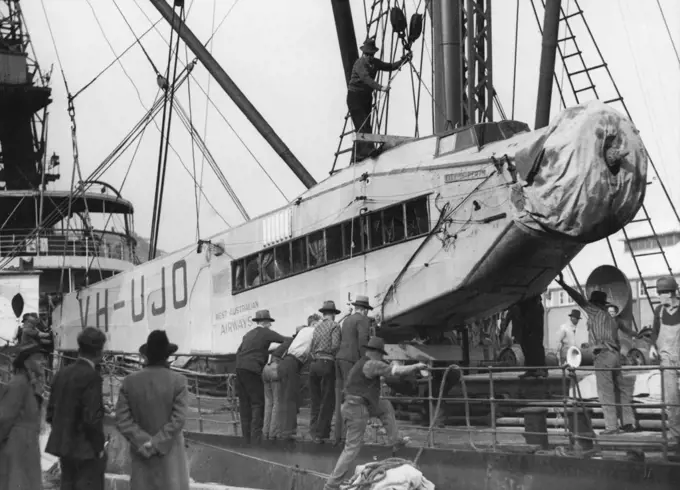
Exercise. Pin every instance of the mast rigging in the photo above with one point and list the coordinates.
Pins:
(235, 93)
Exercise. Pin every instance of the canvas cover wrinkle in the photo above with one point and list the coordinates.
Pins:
(569, 188)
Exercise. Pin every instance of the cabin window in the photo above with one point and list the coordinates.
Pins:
(299, 255)
(352, 237)
(334, 243)
(317, 249)
(466, 139)
(337, 242)
(376, 233)
(393, 223)
(237, 275)
(417, 221)
(282, 261)
(253, 271)
(268, 266)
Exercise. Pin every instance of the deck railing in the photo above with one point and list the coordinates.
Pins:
(556, 425)
(70, 243)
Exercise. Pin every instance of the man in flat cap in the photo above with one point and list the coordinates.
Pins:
(75, 411)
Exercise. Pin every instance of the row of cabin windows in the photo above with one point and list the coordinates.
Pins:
(362, 234)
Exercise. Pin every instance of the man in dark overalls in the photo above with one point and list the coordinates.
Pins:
(362, 401)
(360, 91)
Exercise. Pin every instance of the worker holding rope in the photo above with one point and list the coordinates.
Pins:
(360, 91)
(362, 401)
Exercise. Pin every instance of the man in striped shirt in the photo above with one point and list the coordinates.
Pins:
(325, 345)
(603, 336)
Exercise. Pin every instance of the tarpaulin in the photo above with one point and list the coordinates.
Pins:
(569, 188)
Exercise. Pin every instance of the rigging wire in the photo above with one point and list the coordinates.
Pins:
(137, 41)
(74, 141)
(668, 30)
(224, 118)
(106, 38)
(191, 130)
(165, 133)
(514, 69)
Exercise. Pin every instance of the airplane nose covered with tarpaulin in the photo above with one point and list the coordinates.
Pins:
(585, 175)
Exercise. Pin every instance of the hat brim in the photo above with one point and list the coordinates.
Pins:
(329, 310)
(382, 351)
(260, 320)
(170, 350)
(363, 305)
(573, 315)
(366, 49)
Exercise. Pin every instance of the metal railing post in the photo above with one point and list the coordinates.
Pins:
(492, 398)
(664, 431)
(433, 416)
(198, 403)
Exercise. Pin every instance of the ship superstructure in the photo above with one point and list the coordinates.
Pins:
(51, 241)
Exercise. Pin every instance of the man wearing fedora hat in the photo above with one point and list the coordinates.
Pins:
(566, 336)
(362, 401)
(325, 345)
(75, 411)
(150, 413)
(354, 336)
(251, 358)
(603, 337)
(360, 91)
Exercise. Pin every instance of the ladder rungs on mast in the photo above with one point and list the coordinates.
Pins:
(566, 17)
(575, 53)
(587, 70)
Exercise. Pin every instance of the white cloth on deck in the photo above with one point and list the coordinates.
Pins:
(404, 477)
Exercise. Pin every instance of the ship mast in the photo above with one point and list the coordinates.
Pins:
(462, 63)
(233, 91)
(24, 97)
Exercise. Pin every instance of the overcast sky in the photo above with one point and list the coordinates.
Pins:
(284, 56)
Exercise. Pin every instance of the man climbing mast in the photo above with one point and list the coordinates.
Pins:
(360, 91)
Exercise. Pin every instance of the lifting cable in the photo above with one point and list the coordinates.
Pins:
(205, 119)
(193, 134)
(165, 134)
(196, 138)
(514, 69)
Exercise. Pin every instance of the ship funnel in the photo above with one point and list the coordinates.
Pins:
(614, 283)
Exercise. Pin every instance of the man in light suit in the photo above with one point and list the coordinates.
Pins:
(151, 412)
(75, 411)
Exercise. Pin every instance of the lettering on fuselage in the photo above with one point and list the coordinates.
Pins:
(466, 175)
(228, 324)
(180, 298)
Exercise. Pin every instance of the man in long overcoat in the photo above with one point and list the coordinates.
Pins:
(76, 413)
(151, 412)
